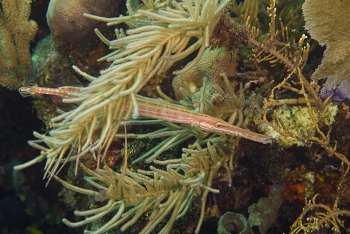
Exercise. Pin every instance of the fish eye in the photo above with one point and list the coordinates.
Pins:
(218, 125)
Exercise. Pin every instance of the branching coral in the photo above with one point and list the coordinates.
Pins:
(160, 37)
(313, 134)
(304, 89)
(316, 216)
(160, 192)
(293, 55)
(16, 33)
(253, 14)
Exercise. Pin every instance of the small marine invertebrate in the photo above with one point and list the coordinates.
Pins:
(16, 33)
(65, 18)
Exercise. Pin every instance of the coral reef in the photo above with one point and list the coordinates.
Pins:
(129, 70)
(144, 164)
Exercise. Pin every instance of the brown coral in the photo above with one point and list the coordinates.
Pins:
(65, 18)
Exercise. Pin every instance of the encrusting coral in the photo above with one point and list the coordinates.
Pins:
(294, 118)
(16, 33)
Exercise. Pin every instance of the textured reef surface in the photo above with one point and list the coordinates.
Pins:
(201, 116)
